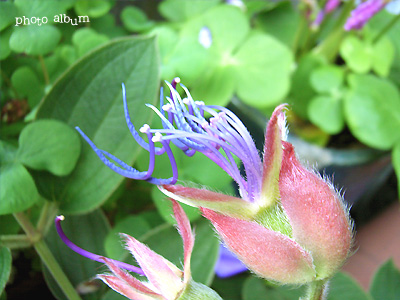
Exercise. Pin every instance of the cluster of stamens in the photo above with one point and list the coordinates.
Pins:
(221, 138)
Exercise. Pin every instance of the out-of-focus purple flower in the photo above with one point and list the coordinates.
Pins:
(318, 20)
(331, 5)
(228, 264)
(363, 12)
(165, 280)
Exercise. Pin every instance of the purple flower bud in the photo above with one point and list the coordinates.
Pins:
(331, 5)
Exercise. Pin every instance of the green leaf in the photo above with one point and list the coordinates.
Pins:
(382, 56)
(356, 55)
(181, 10)
(396, 162)
(228, 26)
(92, 8)
(372, 111)
(257, 289)
(89, 96)
(135, 19)
(362, 56)
(386, 282)
(88, 232)
(189, 59)
(229, 289)
(280, 22)
(301, 91)
(135, 226)
(263, 66)
(27, 84)
(327, 79)
(86, 39)
(8, 12)
(41, 8)
(4, 42)
(326, 112)
(181, 56)
(5, 267)
(216, 86)
(49, 145)
(14, 176)
(35, 40)
(343, 286)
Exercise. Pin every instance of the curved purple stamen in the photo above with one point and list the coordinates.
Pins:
(90, 255)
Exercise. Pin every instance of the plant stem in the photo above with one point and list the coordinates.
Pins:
(385, 29)
(44, 70)
(47, 257)
(299, 34)
(15, 241)
(316, 290)
(331, 45)
(47, 215)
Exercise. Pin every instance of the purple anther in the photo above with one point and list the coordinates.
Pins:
(90, 255)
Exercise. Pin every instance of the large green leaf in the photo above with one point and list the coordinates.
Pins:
(89, 95)
(88, 232)
(372, 111)
(386, 282)
(5, 266)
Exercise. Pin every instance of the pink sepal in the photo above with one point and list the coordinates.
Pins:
(162, 274)
(228, 205)
(124, 289)
(187, 236)
(129, 279)
(317, 214)
(267, 253)
(272, 160)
